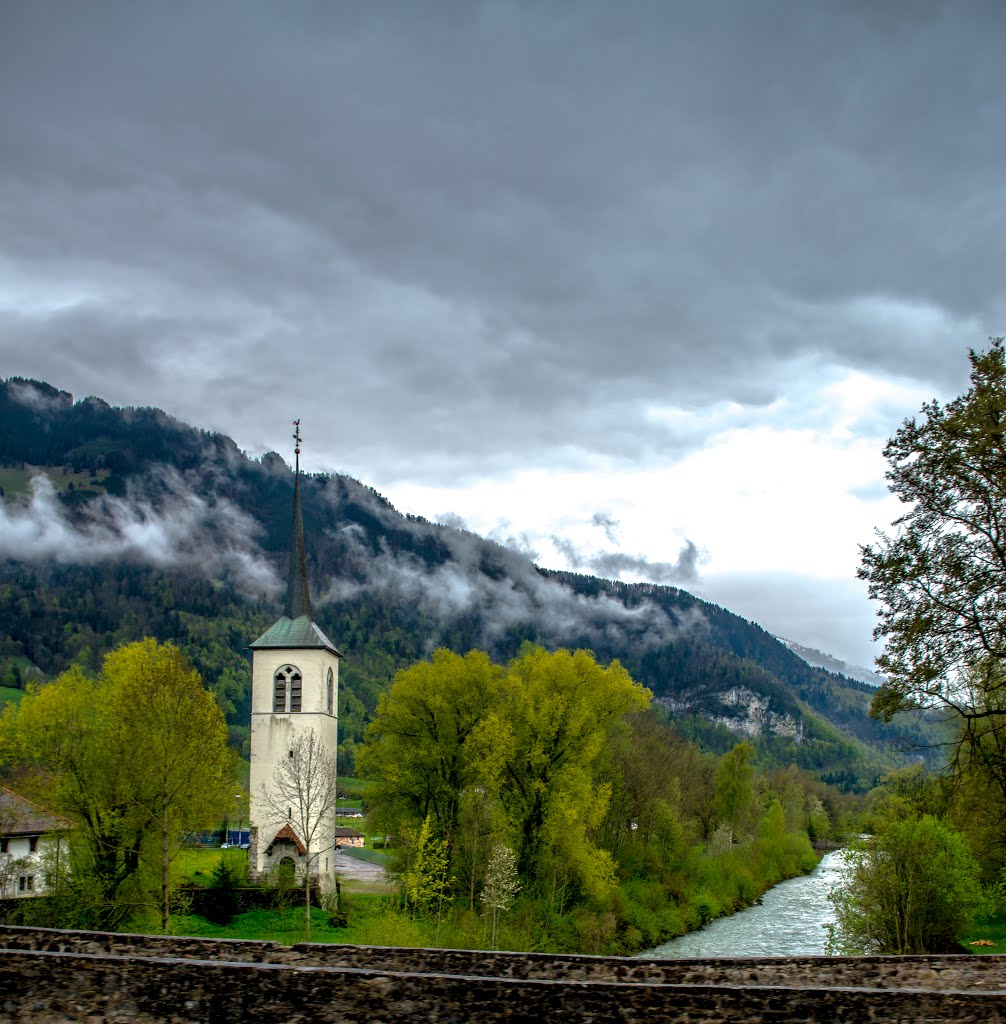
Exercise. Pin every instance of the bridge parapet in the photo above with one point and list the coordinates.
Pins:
(986, 973)
(48, 976)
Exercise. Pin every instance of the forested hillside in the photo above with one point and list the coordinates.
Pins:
(120, 523)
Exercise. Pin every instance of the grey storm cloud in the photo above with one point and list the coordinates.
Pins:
(607, 523)
(496, 231)
(613, 564)
(684, 570)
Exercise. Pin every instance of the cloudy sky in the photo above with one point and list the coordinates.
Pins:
(639, 287)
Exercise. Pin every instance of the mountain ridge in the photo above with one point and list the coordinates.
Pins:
(176, 531)
(821, 659)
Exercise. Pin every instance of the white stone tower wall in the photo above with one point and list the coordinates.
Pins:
(272, 737)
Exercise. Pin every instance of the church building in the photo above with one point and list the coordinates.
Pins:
(295, 687)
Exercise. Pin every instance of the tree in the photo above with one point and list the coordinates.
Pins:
(486, 750)
(940, 577)
(733, 791)
(135, 756)
(222, 901)
(564, 708)
(648, 762)
(303, 792)
(482, 820)
(426, 878)
(501, 884)
(913, 889)
(423, 749)
(177, 732)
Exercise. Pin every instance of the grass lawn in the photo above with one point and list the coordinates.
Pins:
(196, 864)
(286, 926)
(10, 693)
(992, 931)
(367, 924)
(354, 787)
(15, 481)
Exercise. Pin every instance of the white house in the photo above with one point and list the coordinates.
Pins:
(28, 834)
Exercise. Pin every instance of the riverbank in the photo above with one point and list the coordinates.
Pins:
(644, 909)
(791, 919)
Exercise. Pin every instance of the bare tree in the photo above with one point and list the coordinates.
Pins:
(303, 794)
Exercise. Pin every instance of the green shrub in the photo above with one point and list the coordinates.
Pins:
(391, 928)
(705, 905)
(747, 889)
(913, 888)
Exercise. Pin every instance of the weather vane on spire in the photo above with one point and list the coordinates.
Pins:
(296, 442)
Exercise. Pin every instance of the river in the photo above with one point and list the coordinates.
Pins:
(790, 921)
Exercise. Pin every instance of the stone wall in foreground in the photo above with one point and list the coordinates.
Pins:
(68, 987)
(931, 972)
(48, 976)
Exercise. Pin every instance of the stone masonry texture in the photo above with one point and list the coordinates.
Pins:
(50, 975)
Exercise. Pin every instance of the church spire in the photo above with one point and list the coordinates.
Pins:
(298, 598)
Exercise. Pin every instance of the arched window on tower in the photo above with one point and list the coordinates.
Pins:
(330, 704)
(286, 681)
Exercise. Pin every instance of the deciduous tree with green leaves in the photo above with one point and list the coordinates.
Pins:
(913, 889)
(563, 707)
(940, 577)
(427, 744)
(136, 756)
(733, 791)
(427, 879)
(496, 751)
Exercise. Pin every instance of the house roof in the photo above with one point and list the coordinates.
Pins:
(287, 835)
(21, 817)
(347, 833)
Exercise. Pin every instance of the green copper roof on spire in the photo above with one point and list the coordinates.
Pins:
(295, 634)
(295, 628)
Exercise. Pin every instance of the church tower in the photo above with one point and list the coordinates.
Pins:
(295, 687)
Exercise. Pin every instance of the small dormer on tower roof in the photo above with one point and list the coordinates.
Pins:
(296, 628)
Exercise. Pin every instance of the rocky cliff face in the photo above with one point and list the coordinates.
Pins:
(744, 712)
